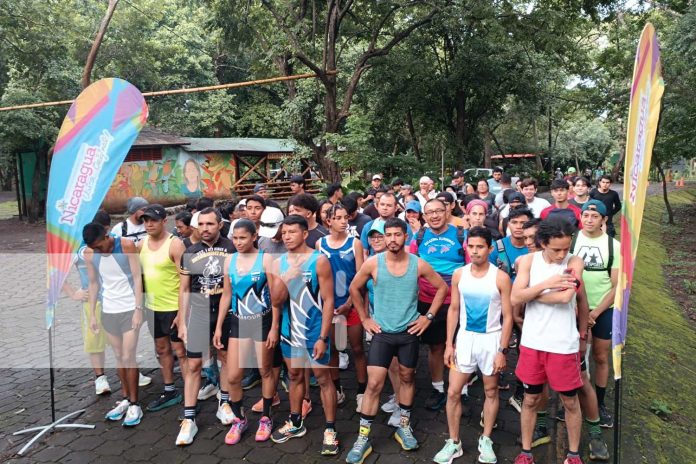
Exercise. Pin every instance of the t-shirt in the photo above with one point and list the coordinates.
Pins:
(356, 225)
(494, 186)
(500, 197)
(206, 266)
(422, 198)
(537, 206)
(595, 252)
(442, 252)
(371, 211)
(610, 199)
(490, 201)
(506, 261)
(134, 232)
(315, 234)
(272, 247)
(575, 202)
(572, 214)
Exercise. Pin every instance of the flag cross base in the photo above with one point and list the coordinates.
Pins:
(44, 429)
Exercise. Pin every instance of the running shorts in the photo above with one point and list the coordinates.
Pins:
(561, 371)
(118, 323)
(436, 333)
(476, 350)
(603, 325)
(385, 346)
(92, 342)
(301, 356)
(200, 329)
(257, 329)
(160, 324)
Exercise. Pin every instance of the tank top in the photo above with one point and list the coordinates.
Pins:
(342, 260)
(250, 296)
(549, 327)
(161, 277)
(302, 313)
(116, 279)
(396, 297)
(480, 305)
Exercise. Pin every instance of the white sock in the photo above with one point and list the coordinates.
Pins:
(439, 386)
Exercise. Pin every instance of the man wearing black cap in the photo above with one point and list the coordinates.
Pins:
(458, 183)
(132, 227)
(262, 191)
(297, 184)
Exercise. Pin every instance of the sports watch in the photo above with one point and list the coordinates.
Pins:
(324, 339)
(503, 350)
(430, 316)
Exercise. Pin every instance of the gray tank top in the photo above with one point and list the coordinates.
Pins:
(396, 297)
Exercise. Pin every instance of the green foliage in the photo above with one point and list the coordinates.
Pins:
(660, 408)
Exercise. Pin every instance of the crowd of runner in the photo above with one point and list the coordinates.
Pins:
(248, 292)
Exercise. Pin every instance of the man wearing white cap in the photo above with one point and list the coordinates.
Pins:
(370, 192)
(427, 190)
(269, 238)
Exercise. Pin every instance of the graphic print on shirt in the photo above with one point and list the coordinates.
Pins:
(592, 256)
(250, 296)
(301, 325)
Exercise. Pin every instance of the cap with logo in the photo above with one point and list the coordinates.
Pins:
(156, 212)
(135, 204)
(259, 187)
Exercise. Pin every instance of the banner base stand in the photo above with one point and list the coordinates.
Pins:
(43, 429)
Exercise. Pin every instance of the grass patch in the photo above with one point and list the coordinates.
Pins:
(659, 362)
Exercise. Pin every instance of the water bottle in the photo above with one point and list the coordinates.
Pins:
(341, 332)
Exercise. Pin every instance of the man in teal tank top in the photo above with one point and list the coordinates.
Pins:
(395, 326)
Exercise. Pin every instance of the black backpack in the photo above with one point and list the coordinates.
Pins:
(461, 238)
(610, 261)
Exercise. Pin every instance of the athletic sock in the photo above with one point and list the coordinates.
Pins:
(267, 403)
(330, 426)
(594, 426)
(573, 454)
(601, 391)
(169, 387)
(362, 386)
(541, 418)
(366, 424)
(237, 408)
(406, 413)
(296, 419)
(100, 375)
(527, 452)
(190, 412)
(337, 384)
(224, 397)
(439, 386)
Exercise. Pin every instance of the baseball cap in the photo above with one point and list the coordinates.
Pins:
(378, 227)
(517, 196)
(445, 196)
(376, 176)
(297, 179)
(457, 174)
(413, 205)
(595, 205)
(194, 220)
(259, 187)
(136, 203)
(571, 169)
(155, 212)
(270, 220)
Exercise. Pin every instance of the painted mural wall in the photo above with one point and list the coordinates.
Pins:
(178, 176)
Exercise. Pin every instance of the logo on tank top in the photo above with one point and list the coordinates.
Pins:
(255, 276)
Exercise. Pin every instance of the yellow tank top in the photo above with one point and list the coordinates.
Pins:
(161, 277)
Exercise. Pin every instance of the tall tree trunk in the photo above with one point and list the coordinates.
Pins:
(670, 213)
(487, 148)
(412, 133)
(460, 114)
(92, 57)
(36, 210)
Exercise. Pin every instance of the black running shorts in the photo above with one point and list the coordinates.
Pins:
(603, 325)
(160, 324)
(385, 346)
(436, 333)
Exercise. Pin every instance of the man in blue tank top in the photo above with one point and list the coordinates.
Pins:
(305, 288)
(395, 325)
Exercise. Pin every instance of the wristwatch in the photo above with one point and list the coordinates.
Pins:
(325, 339)
(503, 350)
(430, 316)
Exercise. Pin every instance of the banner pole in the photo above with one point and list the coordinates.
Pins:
(617, 421)
(51, 374)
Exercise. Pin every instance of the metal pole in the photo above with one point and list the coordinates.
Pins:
(50, 375)
(617, 421)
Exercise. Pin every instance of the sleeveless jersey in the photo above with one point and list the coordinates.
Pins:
(302, 314)
(549, 327)
(250, 296)
(116, 280)
(396, 297)
(480, 306)
(161, 277)
(342, 260)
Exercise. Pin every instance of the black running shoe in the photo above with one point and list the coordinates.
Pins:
(436, 400)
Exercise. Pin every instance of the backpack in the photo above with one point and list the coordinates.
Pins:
(461, 238)
(125, 234)
(506, 266)
(610, 261)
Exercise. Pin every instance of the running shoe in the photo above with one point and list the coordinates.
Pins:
(288, 431)
(101, 385)
(598, 448)
(449, 452)
(251, 379)
(516, 403)
(436, 400)
(340, 396)
(358, 402)
(313, 382)
(119, 411)
(239, 426)
(502, 383)
(284, 380)
(404, 436)
(560, 414)
(524, 459)
(329, 447)
(495, 426)
(258, 406)
(485, 449)
(343, 360)
(187, 432)
(390, 405)
(361, 449)
(224, 413)
(395, 418)
(133, 416)
(605, 419)
(207, 391)
(165, 400)
(306, 407)
(472, 380)
(540, 436)
(144, 380)
(263, 433)
(572, 460)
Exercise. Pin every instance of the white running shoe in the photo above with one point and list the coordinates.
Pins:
(187, 432)
(343, 360)
(225, 414)
(118, 412)
(207, 391)
(144, 380)
(133, 416)
(358, 402)
(101, 385)
(340, 396)
(395, 419)
(390, 405)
